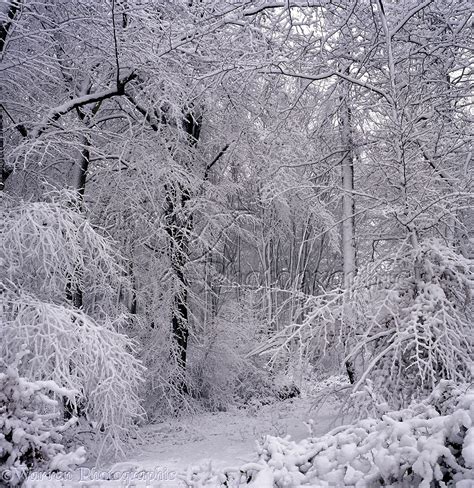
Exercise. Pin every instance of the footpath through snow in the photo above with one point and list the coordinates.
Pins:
(165, 451)
(428, 444)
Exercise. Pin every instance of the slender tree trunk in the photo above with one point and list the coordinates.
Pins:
(348, 227)
(178, 229)
(83, 168)
(11, 9)
(179, 225)
(348, 212)
(75, 294)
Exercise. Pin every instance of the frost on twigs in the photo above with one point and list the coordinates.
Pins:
(30, 426)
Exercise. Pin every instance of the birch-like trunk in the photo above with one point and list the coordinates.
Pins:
(348, 215)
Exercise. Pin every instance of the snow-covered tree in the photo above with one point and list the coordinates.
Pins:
(48, 250)
(415, 329)
(289, 173)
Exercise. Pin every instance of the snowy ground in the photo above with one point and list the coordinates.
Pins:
(229, 438)
(164, 451)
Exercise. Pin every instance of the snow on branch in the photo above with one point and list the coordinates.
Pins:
(254, 10)
(76, 352)
(48, 251)
(56, 112)
(49, 246)
(329, 74)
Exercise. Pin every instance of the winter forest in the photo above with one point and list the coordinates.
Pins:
(236, 243)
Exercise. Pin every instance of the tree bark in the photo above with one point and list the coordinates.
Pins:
(179, 224)
(348, 212)
(178, 228)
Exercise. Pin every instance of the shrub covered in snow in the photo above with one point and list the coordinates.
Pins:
(405, 324)
(413, 322)
(58, 292)
(30, 427)
(78, 353)
(222, 374)
(431, 443)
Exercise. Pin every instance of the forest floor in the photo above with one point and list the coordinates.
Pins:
(163, 452)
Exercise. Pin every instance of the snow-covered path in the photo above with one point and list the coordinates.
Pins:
(164, 451)
(228, 438)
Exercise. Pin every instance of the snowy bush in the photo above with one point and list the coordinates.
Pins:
(50, 249)
(48, 253)
(30, 427)
(78, 353)
(431, 443)
(414, 322)
(162, 395)
(406, 324)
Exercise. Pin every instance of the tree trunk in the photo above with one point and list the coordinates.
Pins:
(348, 212)
(179, 224)
(178, 229)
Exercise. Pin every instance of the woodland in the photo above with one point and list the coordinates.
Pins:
(206, 203)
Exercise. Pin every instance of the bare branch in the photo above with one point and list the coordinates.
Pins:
(329, 74)
(214, 161)
(5, 27)
(410, 14)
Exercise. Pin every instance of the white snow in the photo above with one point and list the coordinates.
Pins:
(63, 462)
(165, 452)
(468, 448)
(270, 446)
